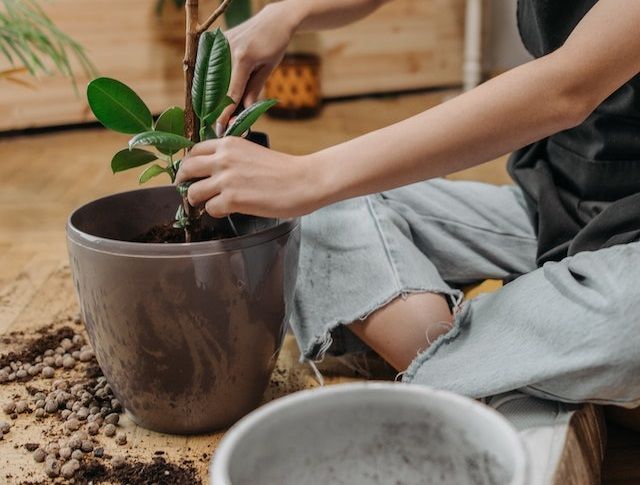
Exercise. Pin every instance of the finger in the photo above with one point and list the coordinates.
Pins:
(207, 147)
(239, 78)
(201, 191)
(194, 168)
(217, 207)
(255, 84)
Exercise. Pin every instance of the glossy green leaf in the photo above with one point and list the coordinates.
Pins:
(126, 159)
(151, 172)
(249, 116)
(118, 107)
(161, 140)
(215, 114)
(171, 121)
(212, 73)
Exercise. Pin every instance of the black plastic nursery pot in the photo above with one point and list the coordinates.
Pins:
(187, 334)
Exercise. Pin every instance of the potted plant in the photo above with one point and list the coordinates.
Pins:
(187, 325)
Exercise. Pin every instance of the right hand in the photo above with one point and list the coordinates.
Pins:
(257, 47)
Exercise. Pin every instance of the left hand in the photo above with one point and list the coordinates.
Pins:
(240, 176)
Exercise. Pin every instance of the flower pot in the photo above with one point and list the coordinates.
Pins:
(371, 433)
(186, 334)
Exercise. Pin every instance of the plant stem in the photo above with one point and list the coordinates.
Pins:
(193, 32)
(214, 16)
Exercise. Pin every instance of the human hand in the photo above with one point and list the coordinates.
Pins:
(257, 47)
(236, 175)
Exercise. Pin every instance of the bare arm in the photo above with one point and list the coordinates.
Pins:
(523, 105)
(528, 103)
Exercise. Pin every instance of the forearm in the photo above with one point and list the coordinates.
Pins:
(504, 114)
(310, 15)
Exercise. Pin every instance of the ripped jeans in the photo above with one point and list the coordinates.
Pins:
(568, 331)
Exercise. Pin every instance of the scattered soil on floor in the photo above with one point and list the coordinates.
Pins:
(156, 472)
(71, 415)
(48, 339)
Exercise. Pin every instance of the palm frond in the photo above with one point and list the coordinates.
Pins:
(30, 39)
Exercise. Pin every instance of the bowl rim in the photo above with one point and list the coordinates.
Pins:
(219, 465)
(157, 250)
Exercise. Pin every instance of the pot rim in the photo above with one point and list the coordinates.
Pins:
(156, 250)
(219, 466)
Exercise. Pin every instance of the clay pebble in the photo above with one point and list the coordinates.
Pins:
(39, 455)
(110, 430)
(121, 439)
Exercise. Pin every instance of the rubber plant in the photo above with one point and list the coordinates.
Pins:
(207, 70)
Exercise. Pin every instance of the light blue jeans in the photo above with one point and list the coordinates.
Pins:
(568, 331)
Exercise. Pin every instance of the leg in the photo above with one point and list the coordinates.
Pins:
(360, 255)
(567, 331)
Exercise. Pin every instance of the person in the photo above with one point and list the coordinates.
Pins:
(387, 245)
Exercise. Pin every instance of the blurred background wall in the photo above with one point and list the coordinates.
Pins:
(406, 45)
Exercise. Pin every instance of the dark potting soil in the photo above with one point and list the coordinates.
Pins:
(166, 233)
(157, 472)
(47, 340)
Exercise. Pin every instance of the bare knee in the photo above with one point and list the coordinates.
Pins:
(405, 327)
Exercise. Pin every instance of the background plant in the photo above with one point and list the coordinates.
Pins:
(31, 42)
(208, 76)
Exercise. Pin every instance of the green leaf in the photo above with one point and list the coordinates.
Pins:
(215, 114)
(161, 140)
(171, 121)
(151, 172)
(237, 12)
(212, 73)
(118, 107)
(126, 159)
(249, 116)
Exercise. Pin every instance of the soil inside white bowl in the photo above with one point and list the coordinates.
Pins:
(369, 447)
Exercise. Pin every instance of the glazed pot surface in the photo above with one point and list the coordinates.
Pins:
(186, 334)
(371, 433)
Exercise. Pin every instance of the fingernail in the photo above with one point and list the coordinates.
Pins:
(219, 129)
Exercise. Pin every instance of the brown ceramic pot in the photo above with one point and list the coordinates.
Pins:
(186, 334)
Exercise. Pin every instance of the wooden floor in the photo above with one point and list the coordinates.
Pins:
(45, 176)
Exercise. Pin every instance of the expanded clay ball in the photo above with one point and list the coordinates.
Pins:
(52, 468)
(9, 407)
(5, 427)
(48, 372)
(39, 455)
(87, 446)
(93, 428)
(68, 470)
(112, 418)
(72, 424)
(50, 406)
(110, 430)
(65, 452)
(86, 355)
(68, 362)
(121, 439)
(21, 407)
(77, 455)
(40, 413)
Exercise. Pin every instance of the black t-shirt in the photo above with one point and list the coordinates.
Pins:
(582, 184)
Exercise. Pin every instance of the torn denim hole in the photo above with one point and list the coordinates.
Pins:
(459, 315)
(322, 342)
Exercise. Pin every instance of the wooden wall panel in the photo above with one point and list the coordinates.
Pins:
(407, 44)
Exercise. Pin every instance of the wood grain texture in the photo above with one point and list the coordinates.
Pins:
(407, 44)
(46, 176)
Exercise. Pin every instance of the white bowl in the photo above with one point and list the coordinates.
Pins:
(371, 433)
